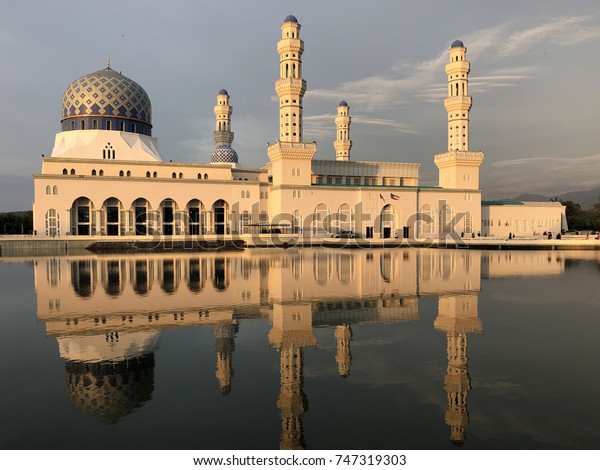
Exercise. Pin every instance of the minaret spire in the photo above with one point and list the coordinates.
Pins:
(223, 135)
(458, 103)
(458, 167)
(290, 155)
(342, 143)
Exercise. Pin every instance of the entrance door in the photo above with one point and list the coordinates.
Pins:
(387, 232)
(219, 220)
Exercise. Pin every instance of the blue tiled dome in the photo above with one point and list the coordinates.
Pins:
(224, 154)
(343, 103)
(223, 91)
(107, 95)
(290, 19)
(457, 43)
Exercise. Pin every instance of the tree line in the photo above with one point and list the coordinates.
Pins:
(581, 219)
(16, 223)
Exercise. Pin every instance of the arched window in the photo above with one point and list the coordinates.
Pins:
(147, 174)
(48, 189)
(128, 173)
(205, 176)
(174, 175)
(155, 174)
(426, 220)
(446, 216)
(55, 190)
(101, 173)
(321, 220)
(52, 223)
(72, 171)
(247, 194)
(344, 217)
(121, 173)
(65, 172)
(93, 172)
(180, 175)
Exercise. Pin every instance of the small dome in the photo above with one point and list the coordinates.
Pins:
(290, 19)
(223, 91)
(224, 154)
(343, 103)
(457, 43)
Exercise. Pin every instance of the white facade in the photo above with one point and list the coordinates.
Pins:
(101, 181)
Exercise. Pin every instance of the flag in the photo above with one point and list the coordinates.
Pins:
(381, 197)
(394, 197)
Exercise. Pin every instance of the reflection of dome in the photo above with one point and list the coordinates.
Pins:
(224, 154)
(457, 43)
(290, 19)
(110, 390)
(106, 100)
(343, 103)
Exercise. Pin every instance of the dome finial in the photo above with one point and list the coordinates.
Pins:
(108, 61)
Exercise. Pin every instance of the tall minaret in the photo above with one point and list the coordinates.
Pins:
(223, 111)
(457, 316)
(223, 135)
(458, 167)
(225, 345)
(343, 335)
(291, 156)
(342, 143)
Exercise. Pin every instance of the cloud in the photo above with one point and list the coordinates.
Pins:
(563, 31)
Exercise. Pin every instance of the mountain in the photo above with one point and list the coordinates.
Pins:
(585, 198)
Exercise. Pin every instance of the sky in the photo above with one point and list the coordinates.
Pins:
(534, 80)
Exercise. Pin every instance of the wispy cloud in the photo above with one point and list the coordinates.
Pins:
(563, 31)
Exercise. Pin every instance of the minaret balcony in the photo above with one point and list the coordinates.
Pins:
(290, 86)
(460, 66)
(290, 45)
(458, 103)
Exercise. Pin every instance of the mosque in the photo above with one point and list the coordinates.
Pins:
(105, 176)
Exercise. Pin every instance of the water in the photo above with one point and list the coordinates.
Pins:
(315, 349)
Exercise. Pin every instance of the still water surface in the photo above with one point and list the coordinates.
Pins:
(315, 349)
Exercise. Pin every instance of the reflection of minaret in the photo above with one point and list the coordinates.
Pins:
(343, 334)
(291, 332)
(457, 316)
(225, 345)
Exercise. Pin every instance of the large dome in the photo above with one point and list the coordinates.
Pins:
(106, 100)
(224, 154)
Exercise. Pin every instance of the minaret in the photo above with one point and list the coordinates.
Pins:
(458, 167)
(290, 152)
(457, 316)
(223, 135)
(342, 143)
(343, 335)
(225, 345)
(290, 334)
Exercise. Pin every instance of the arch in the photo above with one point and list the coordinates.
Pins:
(245, 221)
(170, 275)
(296, 222)
(128, 173)
(344, 217)
(468, 223)
(205, 176)
(168, 217)
(445, 219)
(320, 221)
(173, 175)
(141, 212)
(65, 171)
(113, 278)
(48, 190)
(93, 172)
(101, 172)
(81, 217)
(147, 174)
(83, 277)
(220, 215)
(155, 174)
(426, 221)
(387, 221)
(52, 223)
(111, 217)
(180, 175)
(121, 173)
(72, 171)
(195, 217)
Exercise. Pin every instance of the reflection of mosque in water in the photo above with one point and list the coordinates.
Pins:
(107, 313)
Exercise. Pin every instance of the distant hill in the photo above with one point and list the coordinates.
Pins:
(585, 198)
